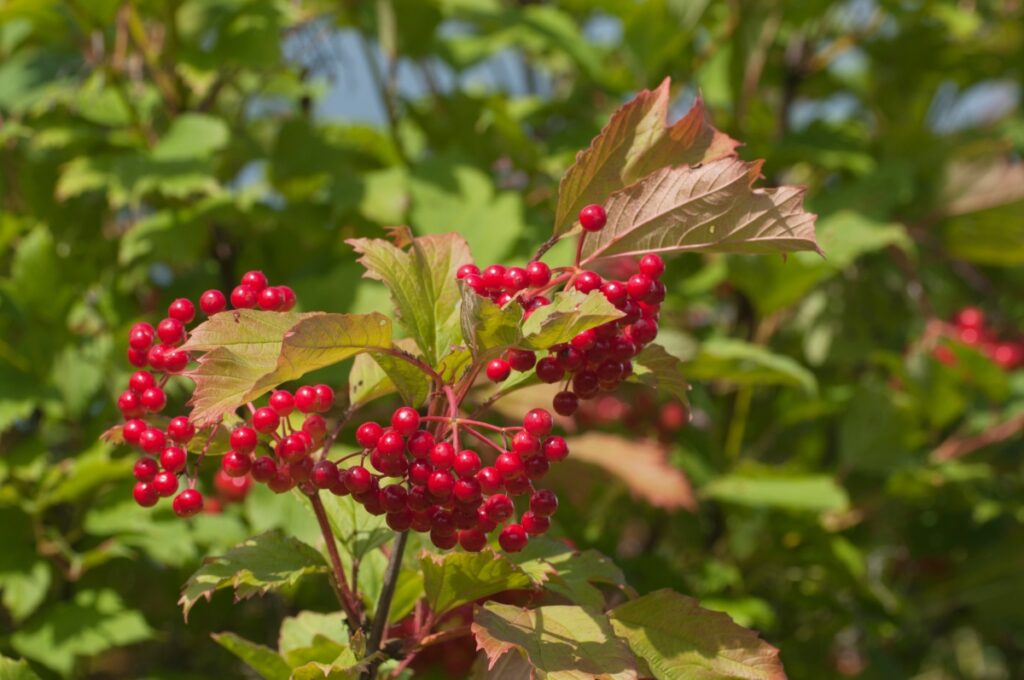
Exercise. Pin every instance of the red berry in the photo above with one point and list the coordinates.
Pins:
(440, 484)
(141, 381)
(145, 469)
(243, 297)
(129, 404)
(265, 420)
(584, 384)
(405, 421)
(538, 422)
(643, 331)
(652, 265)
(289, 298)
(443, 541)
(565, 403)
(509, 465)
(640, 286)
(270, 299)
(442, 522)
(543, 503)
(570, 359)
(970, 317)
(525, 444)
(255, 279)
(155, 356)
(140, 337)
(420, 444)
(188, 503)
(518, 486)
(538, 274)
(301, 470)
(549, 371)
(368, 434)
(593, 217)
(399, 521)
(534, 524)
(132, 430)
(512, 538)
(393, 497)
(236, 463)
(153, 400)
(212, 302)
(494, 277)
(173, 459)
(305, 399)
(358, 480)
(183, 310)
(472, 540)
(555, 449)
(442, 456)
(324, 398)
(521, 359)
(467, 490)
(490, 480)
(138, 357)
(391, 443)
(498, 370)
(614, 292)
(165, 483)
(467, 464)
(282, 402)
(587, 281)
(171, 331)
(232, 489)
(281, 482)
(145, 495)
(515, 279)
(175, 361)
(244, 439)
(499, 508)
(536, 467)
(291, 448)
(476, 283)
(419, 472)
(152, 440)
(465, 270)
(181, 430)
(263, 469)
(316, 427)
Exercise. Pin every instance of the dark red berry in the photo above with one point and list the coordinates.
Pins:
(255, 279)
(585, 384)
(173, 459)
(316, 427)
(615, 292)
(244, 439)
(643, 331)
(188, 503)
(533, 524)
(519, 486)
(536, 467)
(443, 541)
(499, 508)
(584, 340)
(498, 370)
(543, 503)
(358, 480)
(587, 282)
(512, 538)
(593, 217)
(472, 540)
(476, 282)
(145, 469)
(291, 448)
(145, 495)
(405, 421)
(549, 371)
(420, 444)
(212, 302)
(289, 298)
(442, 521)
(399, 521)
(264, 468)
(419, 472)
(521, 359)
(555, 449)
(490, 480)
(565, 403)
(393, 497)
(652, 265)
(538, 274)
(640, 286)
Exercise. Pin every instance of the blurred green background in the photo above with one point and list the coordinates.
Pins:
(857, 501)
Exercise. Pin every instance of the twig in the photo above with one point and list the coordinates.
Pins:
(380, 617)
(957, 446)
(348, 600)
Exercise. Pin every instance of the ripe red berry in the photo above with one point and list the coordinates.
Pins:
(467, 464)
(289, 298)
(152, 440)
(291, 448)
(282, 481)
(358, 480)
(593, 217)
(467, 491)
(188, 503)
(391, 443)
(183, 310)
(212, 302)
(442, 456)
(175, 361)
(419, 472)
(494, 277)
(170, 331)
(525, 444)
(472, 540)
(132, 429)
(440, 484)
(543, 503)
(255, 279)
(368, 434)
(476, 283)
(538, 422)
(243, 297)
(130, 404)
(173, 459)
(521, 359)
(236, 463)
(263, 469)
(155, 356)
(643, 331)
(490, 480)
(145, 469)
(399, 521)
(442, 521)
(405, 420)
(565, 403)
(141, 381)
(499, 508)
(536, 467)
(270, 299)
(244, 439)
(231, 489)
(538, 274)
(549, 371)
(443, 541)
(282, 402)
(615, 292)
(512, 538)
(145, 495)
(652, 265)
(138, 357)
(393, 497)
(465, 270)
(515, 279)
(165, 483)
(640, 287)
(534, 524)
(584, 384)
(141, 336)
(324, 398)
(305, 399)
(970, 317)
(316, 427)
(153, 400)
(265, 420)
(509, 465)
(498, 370)
(555, 449)
(181, 430)
(519, 486)
(587, 281)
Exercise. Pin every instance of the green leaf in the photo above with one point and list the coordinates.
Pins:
(357, 531)
(267, 663)
(815, 493)
(11, 669)
(192, 135)
(569, 314)
(262, 563)
(486, 326)
(95, 621)
(377, 375)
(559, 642)
(457, 578)
(708, 208)
(636, 142)
(301, 630)
(662, 371)
(681, 641)
(744, 363)
(569, 573)
(422, 284)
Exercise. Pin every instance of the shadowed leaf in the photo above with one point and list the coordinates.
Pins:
(457, 578)
(267, 663)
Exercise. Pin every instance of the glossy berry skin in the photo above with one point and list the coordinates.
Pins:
(243, 297)
(644, 331)
(183, 310)
(472, 540)
(145, 495)
(155, 356)
(405, 421)
(536, 467)
(588, 281)
(443, 541)
(393, 497)
(180, 429)
(585, 384)
(652, 265)
(153, 400)
(141, 381)
(243, 439)
(521, 359)
(555, 449)
(490, 480)
(593, 217)
(498, 370)
(640, 287)
(170, 331)
(188, 503)
(467, 464)
(467, 490)
(236, 464)
(270, 299)
(509, 465)
(255, 279)
(282, 402)
(152, 440)
(141, 336)
(289, 298)
(145, 469)
(494, 277)
(615, 292)
(420, 444)
(399, 521)
(175, 361)
(538, 274)
(263, 469)
(549, 371)
(358, 480)
(565, 403)
(543, 503)
(291, 448)
(465, 270)
(513, 538)
(538, 422)
(391, 443)
(316, 427)
(305, 399)
(524, 444)
(165, 483)
(138, 358)
(212, 301)
(368, 434)
(130, 404)
(515, 279)
(440, 484)
(970, 317)
(324, 398)
(499, 508)
(265, 420)
(132, 430)
(533, 524)
(173, 459)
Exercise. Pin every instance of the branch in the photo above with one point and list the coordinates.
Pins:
(380, 617)
(957, 446)
(349, 602)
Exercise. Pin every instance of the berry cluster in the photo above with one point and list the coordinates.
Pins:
(441, 488)
(596, 359)
(969, 327)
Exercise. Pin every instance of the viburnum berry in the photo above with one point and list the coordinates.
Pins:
(499, 508)
(236, 463)
(509, 465)
(188, 503)
(170, 331)
(490, 480)
(265, 420)
(519, 486)
(130, 404)
(175, 361)
(652, 265)
(145, 469)
(565, 403)
(393, 497)
(615, 292)
(443, 541)
(391, 443)
(145, 495)
(466, 270)
(466, 464)
(533, 524)
(153, 400)
(152, 440)
(585, 384)
(515, 279)
(358, 480)
(212, 302)
(270, 299)
(141, 381)
(498, 370)
(538, 274)
(549, 371)
(183, 310)
(243, 297)
(173, 459)
(263, 469)
(643, 331)
(399, 521)
(555, 449)
(181, 430)
(291, 448)
(525, 444)
(323, 398)
(472, 540)
(282, 481)
(282, 402)
(521, 359)
(494, 277)
(440, 484)
(305, 399)
(300, 470)
(132, 429)
(165, 483)
(231, 489)
(640, 286)
(543, 503)
(244, 439)
(466, 490)
(141, 336)
(138, 358)
(587, 282)
(593, 217)
(288, 295)
(535, 467)
(254, 279)
(538, 422)
(513, 538)
(405, 421)
(316, 427)
(368, 434)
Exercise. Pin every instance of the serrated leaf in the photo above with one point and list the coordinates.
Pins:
(634, 143)
(11, 669)
(486, 326)
(300, 630)
(457, 578)
(813, 493)
(358, 532)
(262, 563)
(267, 663)
(641, 464)
(455, 364)
(375, 375)
(559, 642)
(569, 573)
(569, 314)
(681, 641)
(708, 208)
(744, 363)
(658, 369)
(422, 284)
